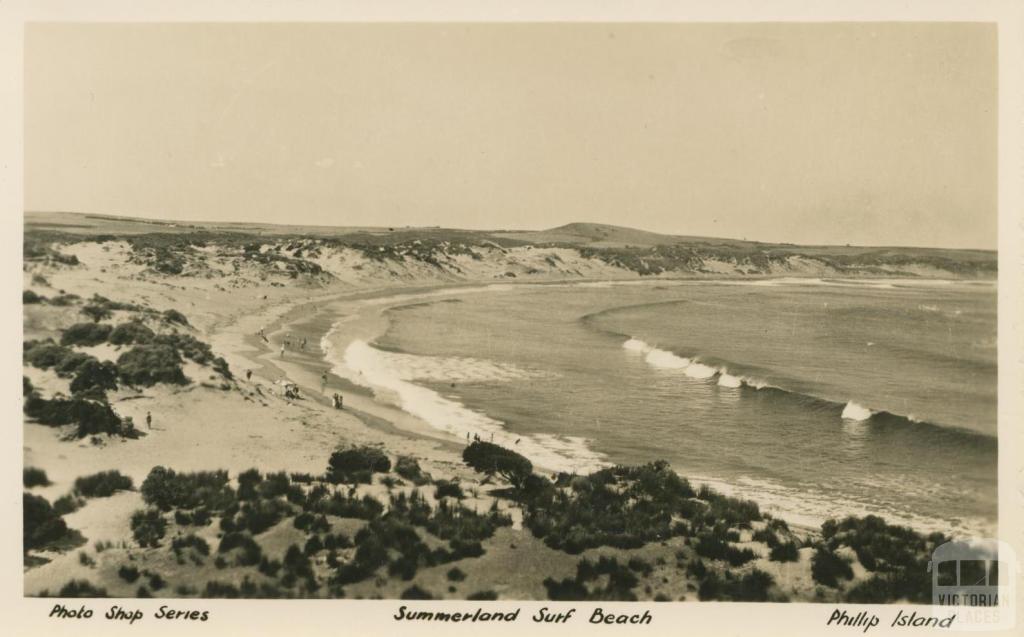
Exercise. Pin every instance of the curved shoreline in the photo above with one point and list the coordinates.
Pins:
(362, 316)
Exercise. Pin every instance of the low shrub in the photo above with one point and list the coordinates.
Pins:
(586, 586)
(415, 592)
(174, 316)
(487, 595)
(448, 489)
(751, 587)
(715, 548)
(28, 297)
(147, 365)
(784, 552)
(131, 333)
(90, 416)
(190, 541)
(86, 334)
(166, 489)
(409, 468)
(96, 312)
(44, 354)
(148, 527)
(81, 588)
(128, 573)
(356, 464)
(92, 376)
(103, 484)
(68, 504)
(42, 525)
(248, 550)
(491, 459)
(33, 477)
(828, 568)
(456, 575)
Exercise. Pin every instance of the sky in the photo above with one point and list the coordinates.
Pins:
(867, 134)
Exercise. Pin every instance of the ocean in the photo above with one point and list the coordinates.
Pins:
(816, 398)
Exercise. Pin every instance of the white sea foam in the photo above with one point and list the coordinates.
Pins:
(809, 507)
(666, 360)
(636, 345)
(700, 370)
(390, 376)
(726, 379)
(854, 411)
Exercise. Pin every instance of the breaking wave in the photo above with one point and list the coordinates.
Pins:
(390, 376)
(851, 410)
(664, 359)
(855, 411)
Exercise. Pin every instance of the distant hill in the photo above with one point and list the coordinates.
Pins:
(611, 249)
(605, 235)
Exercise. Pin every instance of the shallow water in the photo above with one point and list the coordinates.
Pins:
(816, 398)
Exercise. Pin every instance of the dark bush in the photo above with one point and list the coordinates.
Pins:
(174, 316)
(146, 365)
(33, 477)
(71, 363)
(356, 465)
(248, 480)
(415, 592)
(446, 489)
(716, 548)
(165, 489)
(91, 416)
(87, 334)
(94, 375)
(250, 554)
(618, 586)
(132, 332)
(623, 507)
(68, 504)
(81, 588)
(827, 568)
(128, 573)
(190, 541)
(29, 297)
(456, 575)
(42, 525)
(103, 484)
(64, 300)
(365, 508)
(148, 527)
(482, 596)
(96, 312)
(43, 354)
(259, 515)
(409, 468)
(785, 552)
(313, 545)
(751, 587)
(491, 459)
(274, 485)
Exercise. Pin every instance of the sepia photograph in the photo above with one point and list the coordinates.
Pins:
(491, 312)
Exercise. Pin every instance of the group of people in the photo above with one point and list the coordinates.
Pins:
(291, 391)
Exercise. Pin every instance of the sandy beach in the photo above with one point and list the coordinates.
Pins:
(235, 331)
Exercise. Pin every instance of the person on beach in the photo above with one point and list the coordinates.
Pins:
(323, 382)
(248, 374)
(149, 420)
(282, 350)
